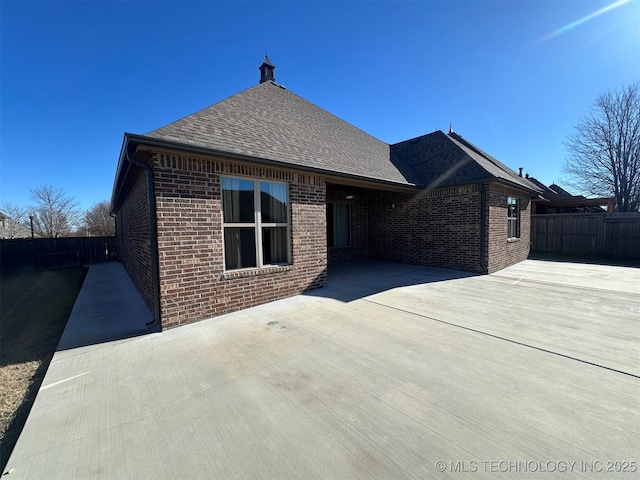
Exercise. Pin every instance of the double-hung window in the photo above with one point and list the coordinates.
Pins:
(255, 221)
(513, 218)
(338, 225)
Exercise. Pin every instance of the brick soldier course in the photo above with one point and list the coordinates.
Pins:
(435, 200)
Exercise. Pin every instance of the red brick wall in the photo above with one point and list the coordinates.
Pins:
(439, 228)
(132, 223)
(359, 249)
(502, 252)
(193, 283)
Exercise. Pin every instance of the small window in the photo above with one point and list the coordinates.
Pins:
(256, 226)
(338, 225)
(513, 217)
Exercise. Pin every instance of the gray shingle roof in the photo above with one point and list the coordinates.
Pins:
(440, 160)
(545, 192)
(558, 190)
(538, 184)
(269, 122)
(494, 167)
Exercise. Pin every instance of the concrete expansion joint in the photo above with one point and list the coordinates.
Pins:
(498, 337)
(573, 286)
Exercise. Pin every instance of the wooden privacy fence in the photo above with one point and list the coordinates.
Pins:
(598, 234)
(44, 253)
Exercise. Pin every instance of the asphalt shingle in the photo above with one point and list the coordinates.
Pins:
(269, 122)
(441, 160)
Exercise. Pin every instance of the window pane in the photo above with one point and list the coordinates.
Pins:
(342, 225)
(239, 247)
(237, 201)
(274, 245)
(513, 218)
(273, 197)
(511, 204)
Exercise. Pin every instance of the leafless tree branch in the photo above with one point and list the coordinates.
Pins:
(55, 213)
(604, 150)
(99, 222)
(14, 222)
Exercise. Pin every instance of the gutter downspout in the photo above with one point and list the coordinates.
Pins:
(153, 232)
(483, 228)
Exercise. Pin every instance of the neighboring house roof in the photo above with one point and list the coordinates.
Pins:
(553, 192)
(269, 122)
(558, 190)
(543, 188)
(557, 197)
(9, 228)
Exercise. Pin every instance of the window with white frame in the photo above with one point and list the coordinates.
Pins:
(255, 221)
(513, 218)
(338, 225)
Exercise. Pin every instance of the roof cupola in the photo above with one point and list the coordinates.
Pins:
(266, 71)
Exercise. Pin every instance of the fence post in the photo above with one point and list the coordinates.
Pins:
(601, 235)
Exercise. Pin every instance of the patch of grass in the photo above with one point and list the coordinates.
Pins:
(34, 309)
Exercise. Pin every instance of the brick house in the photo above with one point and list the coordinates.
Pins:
(248, 201)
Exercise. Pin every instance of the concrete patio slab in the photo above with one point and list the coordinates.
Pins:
(393, 371)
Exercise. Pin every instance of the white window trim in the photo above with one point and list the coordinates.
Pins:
(257, 224)
(515, 219)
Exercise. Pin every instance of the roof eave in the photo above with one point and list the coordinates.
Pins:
(580, 202)
(515, 185)
(142, 140)
(119, 178)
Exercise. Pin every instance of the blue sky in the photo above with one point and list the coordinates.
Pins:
(76, 75)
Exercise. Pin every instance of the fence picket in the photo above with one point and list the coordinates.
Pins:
(603, 234)
(19, 255)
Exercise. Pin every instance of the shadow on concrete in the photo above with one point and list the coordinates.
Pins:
(586, 259)
(96, 340)
(351, 281)
(108, 308)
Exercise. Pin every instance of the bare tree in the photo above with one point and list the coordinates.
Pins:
(99, 222)
(605, 149)
(13, 218)
(55, 213)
